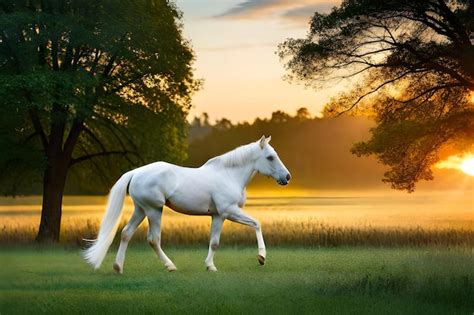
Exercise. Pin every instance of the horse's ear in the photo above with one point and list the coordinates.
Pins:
(269, 138)
(262, 142)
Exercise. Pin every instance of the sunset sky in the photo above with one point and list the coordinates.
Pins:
(235, 43)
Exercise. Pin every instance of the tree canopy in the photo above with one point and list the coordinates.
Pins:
(410, 64)
(81, 80)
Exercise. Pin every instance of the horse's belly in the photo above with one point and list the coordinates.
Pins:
(192, 194)
(201, 207)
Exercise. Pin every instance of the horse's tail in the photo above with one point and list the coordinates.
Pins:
(95, 254)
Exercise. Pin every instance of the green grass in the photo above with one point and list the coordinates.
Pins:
(295, 280)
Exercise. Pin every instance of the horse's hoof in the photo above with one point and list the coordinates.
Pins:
(261, 260)
(171, 268)
(211, 268)
(117, 268)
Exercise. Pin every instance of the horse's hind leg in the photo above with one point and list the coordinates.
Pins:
(127, 233)
(154, 236)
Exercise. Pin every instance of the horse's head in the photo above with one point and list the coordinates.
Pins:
(269, 164)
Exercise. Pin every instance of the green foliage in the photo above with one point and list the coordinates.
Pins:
(113, 78)
(20, 156)
(154, 136)
(410, 147)
(414, 64)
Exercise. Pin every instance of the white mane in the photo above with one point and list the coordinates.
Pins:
(237, 157)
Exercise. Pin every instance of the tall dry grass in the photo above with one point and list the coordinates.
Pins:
(323, 221)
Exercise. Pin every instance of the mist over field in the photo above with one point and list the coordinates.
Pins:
(315, 150)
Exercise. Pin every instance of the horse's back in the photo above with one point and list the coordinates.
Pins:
(152, 183)
(181, 188)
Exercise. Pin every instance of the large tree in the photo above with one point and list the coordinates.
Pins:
(81, 80)
(409, 63)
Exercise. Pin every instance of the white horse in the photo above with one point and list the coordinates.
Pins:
(216, 189)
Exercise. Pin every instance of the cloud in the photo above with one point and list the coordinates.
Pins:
(252, 9)
(302, 15)
(298, 11)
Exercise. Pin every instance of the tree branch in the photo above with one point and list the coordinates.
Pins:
(94, 137)
(74, 133)
(38, 127)
(127, 83)
(374, 90)
(54, 52)
(435, 88)
(94, 155)
(113, 129)
(446, 12)
(97, 56)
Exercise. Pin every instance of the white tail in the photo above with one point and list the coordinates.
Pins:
(95, 254)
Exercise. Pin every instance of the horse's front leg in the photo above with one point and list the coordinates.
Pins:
(236, 214)
(216, 228)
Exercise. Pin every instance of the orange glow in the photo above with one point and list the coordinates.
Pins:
(467, 166)
(462, 163)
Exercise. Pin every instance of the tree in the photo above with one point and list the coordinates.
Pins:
(302, 114)
(199, 127)
(279, 117)
(414, 61)
(80, 80)
(223, 124)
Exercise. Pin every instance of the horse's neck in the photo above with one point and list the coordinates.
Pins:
(242, 174)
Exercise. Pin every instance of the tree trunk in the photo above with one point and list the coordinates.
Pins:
(54, 181)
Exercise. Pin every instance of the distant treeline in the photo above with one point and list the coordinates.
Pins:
(315, 150)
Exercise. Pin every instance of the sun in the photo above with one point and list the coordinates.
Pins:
(467, 166)
(464, 164)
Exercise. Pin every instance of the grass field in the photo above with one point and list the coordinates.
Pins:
(295, 280)
(356, 253)
(312, 219)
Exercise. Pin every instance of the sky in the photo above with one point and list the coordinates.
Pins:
(235, 42)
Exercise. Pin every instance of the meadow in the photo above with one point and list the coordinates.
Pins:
(304, 218)
(329, 252)
(55, 280)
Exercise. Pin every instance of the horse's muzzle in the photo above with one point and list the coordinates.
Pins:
(284, 180)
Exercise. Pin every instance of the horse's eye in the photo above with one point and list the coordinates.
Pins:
(270, 158)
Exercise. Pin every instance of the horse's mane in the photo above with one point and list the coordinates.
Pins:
(237, 157)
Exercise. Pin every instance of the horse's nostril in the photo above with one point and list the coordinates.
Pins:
(288, 176)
